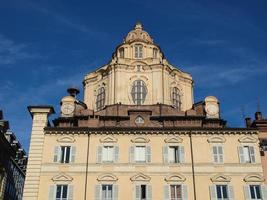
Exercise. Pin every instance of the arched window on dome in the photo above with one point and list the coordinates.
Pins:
(100, 98)
(176, 98)
(139, 92)
(121, 52)
(138, 51)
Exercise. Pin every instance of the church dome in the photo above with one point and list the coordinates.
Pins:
(138, 35)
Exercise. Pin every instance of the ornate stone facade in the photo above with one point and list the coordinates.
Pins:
(139, 135)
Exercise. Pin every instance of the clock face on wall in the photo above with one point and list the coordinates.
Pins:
(212, 109)
(67, 109)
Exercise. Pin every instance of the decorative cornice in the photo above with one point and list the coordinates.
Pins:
(107, 177)
(175, 178)
(216, 139)
(140, 177)
(220, 178)
(248, 139)
(173, 140)
(254, 178)
(108, 139)
(66, 139)
(62, 177)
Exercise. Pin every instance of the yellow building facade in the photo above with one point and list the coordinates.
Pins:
(139, 135)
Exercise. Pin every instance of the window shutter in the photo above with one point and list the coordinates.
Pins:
(137, 192)
(97, 192)
(264, 191)
(149, 192)
(70, 192)
(165, 151)
(115, 192)
(148, 154)
(220, 151)
(181, 154)
(252, 154)
(213, 195)
(214, 151)
(73, 153)
(247, 192)
(166, 192)
(52, 192)
(241, 154)
(131, 154)
(116, 153)
(184, 192)
(57, 154)
(231, 192)
(99, 154)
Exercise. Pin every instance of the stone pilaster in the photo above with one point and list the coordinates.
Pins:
(39, 122)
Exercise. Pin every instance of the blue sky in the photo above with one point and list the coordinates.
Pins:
(47, 46)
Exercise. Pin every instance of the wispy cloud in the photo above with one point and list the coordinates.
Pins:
(11, 52)
(68, 22)
(217, 76)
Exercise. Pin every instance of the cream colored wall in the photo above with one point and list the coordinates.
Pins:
(156, 170)
(118, 75)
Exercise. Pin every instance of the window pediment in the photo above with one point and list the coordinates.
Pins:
(66, 139)
(173, 140)
(62, 178)
(254, 178)
(140, 177)
(108, 139)
(220, 178)
(140, 140)
(216, 139)
(107, 177)
(247, 139)
(175, 178)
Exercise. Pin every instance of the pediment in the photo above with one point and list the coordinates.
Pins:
(107, 177)
(108, 139)
(62, 178)
(221, 178)
(254, 178)
(247, 139)
(173, 140)
(140, 140)
(140, 177)
(216, 139)
(66, 139)
(175, 178)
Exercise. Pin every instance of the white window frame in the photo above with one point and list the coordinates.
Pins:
(221, 190)
(101, 192)
(218, 158)
(255, 191)
(143, 156)
(110, 153)
(138, 51)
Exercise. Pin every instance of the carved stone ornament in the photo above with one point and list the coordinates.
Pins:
(248, 139)
(108, 139)
(173, 140)
(216, 139)
(254, 178)
(140, 177)
(220, 178)
(107, 178)
(175, 178)
(62, 177)
(140, 140)
(66, 139)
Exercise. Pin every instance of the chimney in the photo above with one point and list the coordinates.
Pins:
(248, 122)
(258, 116)
(1, 114)
(73, 91)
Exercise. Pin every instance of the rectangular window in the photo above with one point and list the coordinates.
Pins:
(140, 154)
(108, 154)
(176, 192)
(138, 51)
(222, 192)
(65, 154)
(106, 192)
(217, 154)
(62, 192)
(155, 53)
(255, 192)
(173, 154)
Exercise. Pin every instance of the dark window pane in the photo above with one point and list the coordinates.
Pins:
(67, 160)
(224, 189)
(219, 193)
(252, 192)
(58, 195)
(143, 191)
(65, 191)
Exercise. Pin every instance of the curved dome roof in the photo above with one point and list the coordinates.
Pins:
(138, 34)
